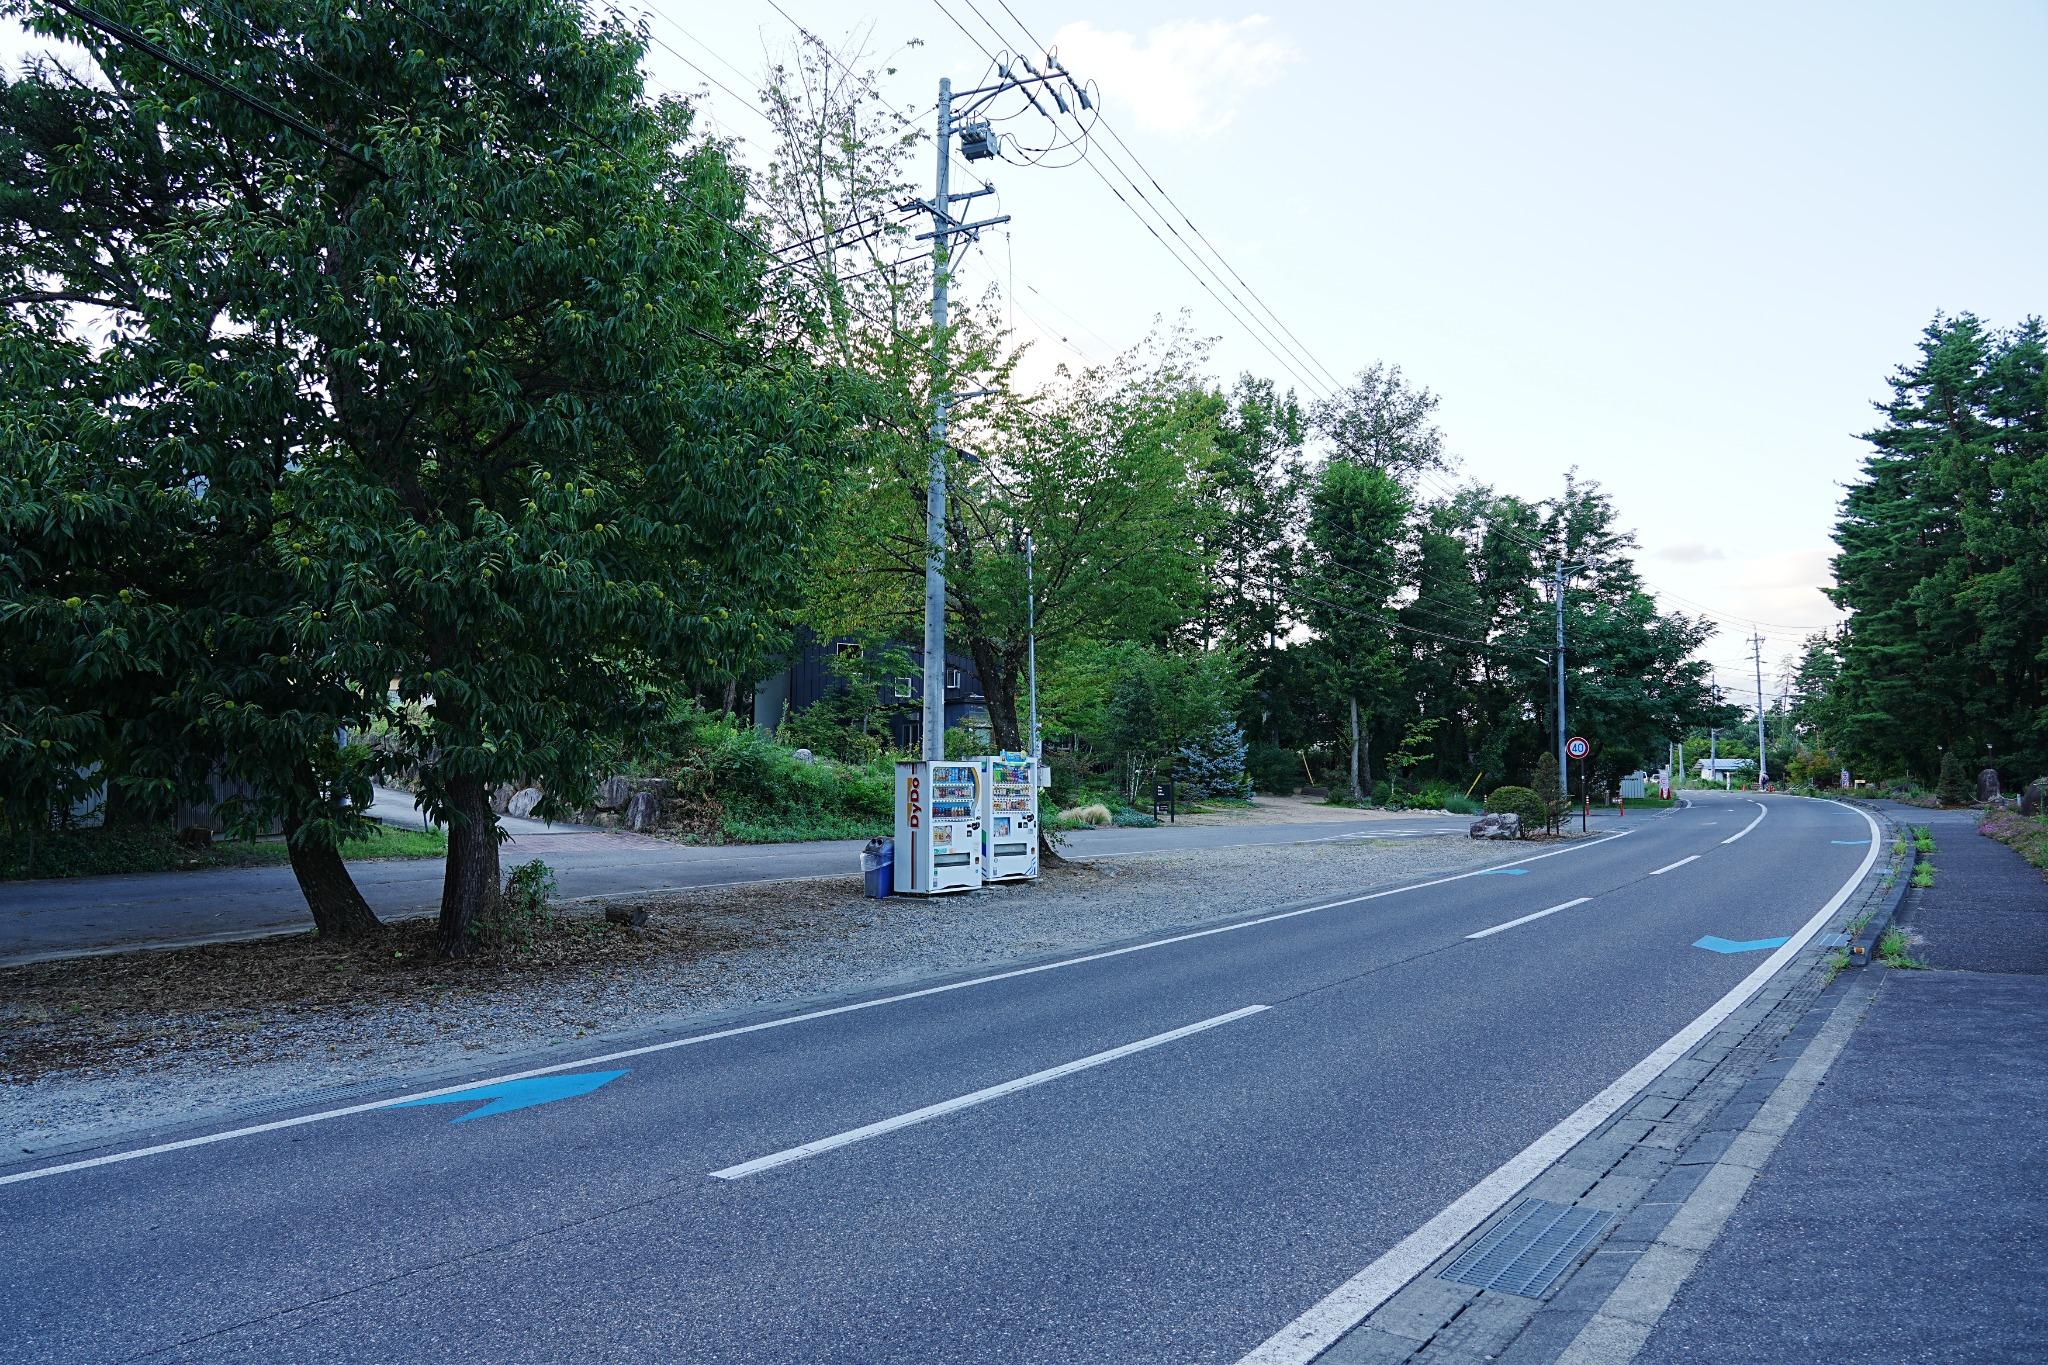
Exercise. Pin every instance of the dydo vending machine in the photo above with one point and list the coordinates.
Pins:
(1009, 817)
(938, 827)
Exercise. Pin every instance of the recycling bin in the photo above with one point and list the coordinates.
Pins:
(878, 867)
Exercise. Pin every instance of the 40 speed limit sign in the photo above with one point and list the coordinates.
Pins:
(1577, 747)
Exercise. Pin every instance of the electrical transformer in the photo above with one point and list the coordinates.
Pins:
(938, 827)
(1009, 817)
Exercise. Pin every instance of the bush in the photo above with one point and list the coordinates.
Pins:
(1461, 804)
(1953, 788)
(1212, 764)
(1273, 771)
(521, 912)
(1129, 818)
(743, 785)
(1382, 793)
(1096, 815)
(1518, 801)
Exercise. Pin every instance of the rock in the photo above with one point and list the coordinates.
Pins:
(660, 786)
(195, 837)
(627, 916)
(522, 803)
(1987, 785)
(2035, 797)
(613, 792)
(501, 796)
(804, 756)
(1497, 827)
(642, 811)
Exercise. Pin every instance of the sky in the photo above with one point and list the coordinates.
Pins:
(1676, 247)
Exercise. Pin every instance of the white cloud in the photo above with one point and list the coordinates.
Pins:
(1189, 76)
(1691, 553)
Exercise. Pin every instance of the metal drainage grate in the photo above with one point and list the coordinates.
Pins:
(1529, 1248)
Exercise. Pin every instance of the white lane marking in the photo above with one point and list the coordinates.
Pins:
(1680, 863)
(1353, 1301)
(1761, 811)
(1526, 918)
(983, 1096)
(252, 1130)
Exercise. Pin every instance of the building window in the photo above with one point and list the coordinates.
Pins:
(906, 688)
(952, 680)
(848, 649)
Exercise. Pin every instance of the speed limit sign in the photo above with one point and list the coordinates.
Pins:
(1578, 748)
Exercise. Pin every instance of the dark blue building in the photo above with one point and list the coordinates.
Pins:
(809, 678)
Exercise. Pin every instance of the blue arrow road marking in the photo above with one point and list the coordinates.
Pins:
(1505, 872)
(1848, 841)
(505, 1096)
(1729, 945)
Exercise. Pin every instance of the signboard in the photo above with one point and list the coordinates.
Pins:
(1845, 779)
(1577, 747)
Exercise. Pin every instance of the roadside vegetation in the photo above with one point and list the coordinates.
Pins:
(102, 852)
(2026, 835)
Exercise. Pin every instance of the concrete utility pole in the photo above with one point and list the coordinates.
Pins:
(1564, 786)
(1031, 652)
(1756, 645)
(935, 478)
(1714, 735)
(978, 142)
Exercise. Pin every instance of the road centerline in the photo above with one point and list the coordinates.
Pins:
(1670, 867)
(1761, 811)
(1498, 928)
(972, 1098)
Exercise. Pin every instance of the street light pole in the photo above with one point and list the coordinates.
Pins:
(1564, 786)
(935, 478)
(1031, 653)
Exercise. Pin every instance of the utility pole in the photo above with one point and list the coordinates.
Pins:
(1564, 786)
(1756, 645)
(978, 142)
(1031, 653)
(1714, 734)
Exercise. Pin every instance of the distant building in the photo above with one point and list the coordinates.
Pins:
(809, 679)
(1711, 768)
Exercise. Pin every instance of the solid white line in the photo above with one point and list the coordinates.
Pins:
(993, 1092)
(1680, 863)
(1526, 918)
(208, 1139)
(1353, 1301)
(1761, 811)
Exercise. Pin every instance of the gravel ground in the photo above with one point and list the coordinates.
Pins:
(97, 1048)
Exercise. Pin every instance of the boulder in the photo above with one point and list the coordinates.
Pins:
(660, 786)
(613, 793)
(2035, 798)
(642, 811)
(1987, 785)
(501, 796)
(1497, 827)
(627, 916)
(804, 756)
(522, 803)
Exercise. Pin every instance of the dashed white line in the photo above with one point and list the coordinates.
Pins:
(983, 1096)
(1680, 863)
(1761, 811)
(1526, 918)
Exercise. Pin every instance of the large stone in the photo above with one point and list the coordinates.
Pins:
(627, 916)
(642, 811)
(1497, 827)
(804, 756)
(522, 803)
(660, 786)
(613, 793)
(501, 796)
(1987, 785)
(2035, 797)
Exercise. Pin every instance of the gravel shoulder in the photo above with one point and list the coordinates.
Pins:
(97, 1048)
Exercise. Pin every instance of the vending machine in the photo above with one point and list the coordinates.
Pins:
(1009, 817)
(938, 827)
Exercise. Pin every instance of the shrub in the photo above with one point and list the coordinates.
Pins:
(1382, 793)
(1097, 815)
(1273, 770)
(521, 912)
(1212, 764)
(1129, 818)
(1953, 788)
(1518, 801)
(1461, 804)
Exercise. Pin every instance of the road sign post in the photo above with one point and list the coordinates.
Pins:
(1578, 748)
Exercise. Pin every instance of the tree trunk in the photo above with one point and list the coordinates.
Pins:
(470, 889)
(339, 910)
(998, 669)
(1356, 794)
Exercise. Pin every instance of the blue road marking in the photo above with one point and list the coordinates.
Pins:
(1505, 872)
(1848, 841)
(1729, 945)
(505, 1096)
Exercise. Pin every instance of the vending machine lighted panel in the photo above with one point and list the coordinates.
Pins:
(938, 827)
(1009, 817)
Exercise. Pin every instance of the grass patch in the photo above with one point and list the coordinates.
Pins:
(104, 853)
(1923, 876)
(1838, 962)
(1923, 840)
(1893, 951)
(799, 826)
(1637, 803)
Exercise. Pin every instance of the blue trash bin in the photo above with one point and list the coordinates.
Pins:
(878, 867)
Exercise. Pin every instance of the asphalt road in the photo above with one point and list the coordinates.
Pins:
(42, 919)
(1181, 1202)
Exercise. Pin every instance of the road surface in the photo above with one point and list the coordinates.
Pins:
(68, 916)
(1165, 1153)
